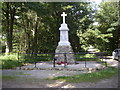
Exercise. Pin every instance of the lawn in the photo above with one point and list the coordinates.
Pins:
(90, 77)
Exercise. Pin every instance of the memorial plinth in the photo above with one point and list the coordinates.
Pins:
(64, 49)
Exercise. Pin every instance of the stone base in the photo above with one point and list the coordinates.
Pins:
(61, 56)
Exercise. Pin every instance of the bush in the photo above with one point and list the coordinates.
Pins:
(8, 61)
(11, 61)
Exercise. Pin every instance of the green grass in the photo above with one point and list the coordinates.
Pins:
(89, 77)
(88, 56)
(14, 76)
(8, 61)
(37, 58)
(11, 61)
(9, 77)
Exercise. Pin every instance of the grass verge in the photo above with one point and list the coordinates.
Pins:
(86, 57)
(11, 61)
(90, 77)
(9, 77)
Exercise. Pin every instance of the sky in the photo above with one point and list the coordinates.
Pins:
(97, 1)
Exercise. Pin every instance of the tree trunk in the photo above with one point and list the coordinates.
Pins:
(7, 28)
(27, 43)
(10, 13)
(34, 45)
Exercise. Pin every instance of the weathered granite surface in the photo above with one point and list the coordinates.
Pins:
(63, 53)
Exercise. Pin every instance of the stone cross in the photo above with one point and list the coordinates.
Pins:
(63, 17)
(64, 45)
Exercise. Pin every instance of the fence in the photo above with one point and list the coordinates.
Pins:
(34, 58)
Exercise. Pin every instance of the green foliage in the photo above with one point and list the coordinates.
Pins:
(39, 8)
(35, 26)
(9, 64)
(86, 57)
(8, 61)
(8, 57)
(12, 61)
(107, 17)
(103, 36)
(38, 58)
(94, 38)
(90, 77)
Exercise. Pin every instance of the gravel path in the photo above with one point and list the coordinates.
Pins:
(49, 65)
(41, 74)
(39, 83)
(36, 79)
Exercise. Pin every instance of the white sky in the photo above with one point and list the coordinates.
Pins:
(97, 1)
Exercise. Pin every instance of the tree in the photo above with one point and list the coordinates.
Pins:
(9, 11)
(31, 22)
(105, 35)
(36, 25)
(108, 20)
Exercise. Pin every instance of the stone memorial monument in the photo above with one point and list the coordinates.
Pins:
(64, 49)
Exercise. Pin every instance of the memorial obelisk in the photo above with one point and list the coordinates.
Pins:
(64, 46)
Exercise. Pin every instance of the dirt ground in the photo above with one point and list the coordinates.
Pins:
(26, 80)
(37, 79)
(20, 83)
